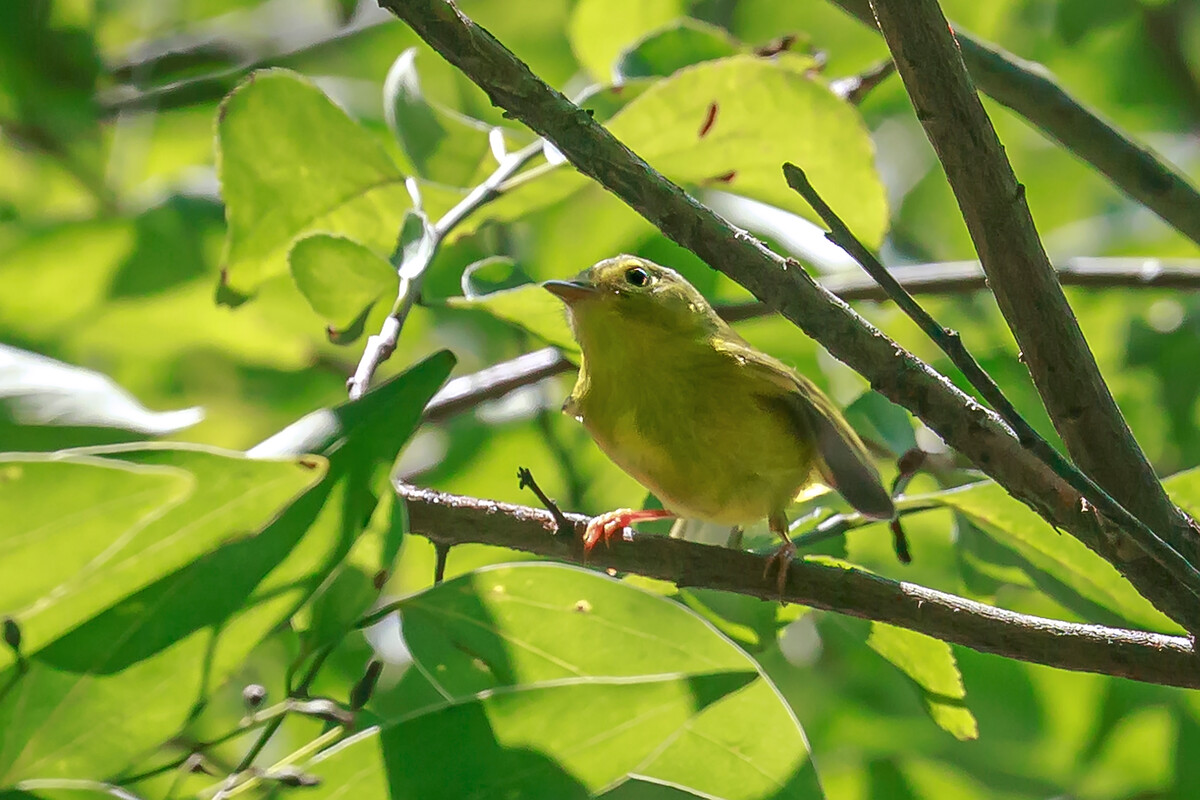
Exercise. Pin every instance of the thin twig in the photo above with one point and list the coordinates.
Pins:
(1052, 344)
(1030, 90)
(525, 480)
(272, 727)
(963, 424)
(380, 346)
(855, 88)
(953, 277)
(951, 344)
(467, 392)
(1140, 655)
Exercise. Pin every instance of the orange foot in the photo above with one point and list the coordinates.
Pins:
(781, 559)
(610, 524)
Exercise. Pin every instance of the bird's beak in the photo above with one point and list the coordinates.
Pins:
(570, 291)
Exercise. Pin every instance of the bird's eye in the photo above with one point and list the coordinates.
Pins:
(636, 276)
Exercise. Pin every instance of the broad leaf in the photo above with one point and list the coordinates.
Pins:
(681, 44)
(91, 527)
(930, 663)
(712, 126)
(340, 278)
(133, 674)
(530, 307)
(600, 29)
(1062, 556)
(291, 162)
(552, 682)
(441, 144)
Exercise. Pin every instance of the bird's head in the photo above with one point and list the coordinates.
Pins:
(631, 293)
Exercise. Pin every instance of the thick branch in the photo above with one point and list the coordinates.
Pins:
(993, 205)
(1155, 658)
(894, 372)
(1030, 91)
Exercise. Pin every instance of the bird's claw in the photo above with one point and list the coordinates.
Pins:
(605, 527)
(781, 559)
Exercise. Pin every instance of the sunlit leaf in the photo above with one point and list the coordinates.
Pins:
(556, 683)
(339, 277)
(713, 125)
(1015, 525)
(99, 694)
(931, 665)
(530, 307)
(599, 29)
(292, 162)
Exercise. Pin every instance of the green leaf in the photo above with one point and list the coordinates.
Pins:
(530, 307)
(553, 682)
(930, 663)
(715, 125)
(681, 44)
(877, 418)
(1062, 556)
(358, 436)
(48, 74)
(369, 430)
(134, 673)
(47, 405)
(600, 29)
(88, 528)
(339, 277)
(354, 585)
(100, 693)
(443, 145)
(291, 162)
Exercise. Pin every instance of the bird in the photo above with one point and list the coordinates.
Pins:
(716, 429)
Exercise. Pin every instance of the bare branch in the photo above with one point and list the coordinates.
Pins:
(447, 519)
(993, 205)
(1029, 90)
(897, 374)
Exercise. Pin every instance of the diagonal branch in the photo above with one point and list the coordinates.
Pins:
(1030, 91)
(951, 344)
(784, 286)
(447, 519)
(1026, 288)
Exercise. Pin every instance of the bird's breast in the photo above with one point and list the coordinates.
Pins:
(694, 432)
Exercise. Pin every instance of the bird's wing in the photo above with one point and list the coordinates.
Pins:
(844, 462)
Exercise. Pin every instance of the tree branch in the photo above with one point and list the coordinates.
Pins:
(1030, 91)
(951, 344)
(897, 374)
(993, 205)
(447, 520)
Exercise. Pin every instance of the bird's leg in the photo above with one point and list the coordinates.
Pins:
(610, 524)
(782, 557)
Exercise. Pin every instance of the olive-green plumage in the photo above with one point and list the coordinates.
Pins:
(718, 430)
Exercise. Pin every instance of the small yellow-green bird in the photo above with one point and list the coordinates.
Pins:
(716, 429)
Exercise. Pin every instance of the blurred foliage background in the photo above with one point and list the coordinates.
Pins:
(113, 239)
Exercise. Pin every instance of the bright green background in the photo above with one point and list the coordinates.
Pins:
(152, 581)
